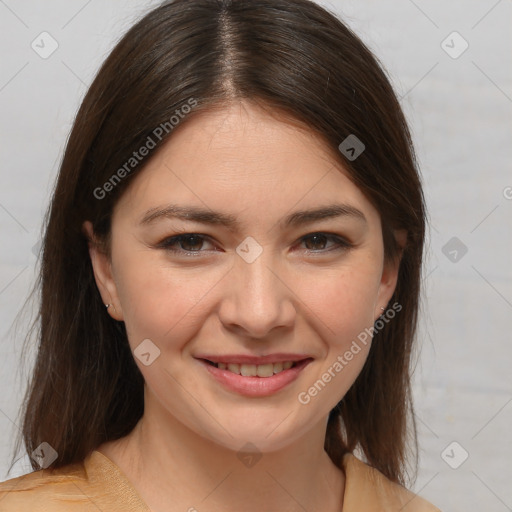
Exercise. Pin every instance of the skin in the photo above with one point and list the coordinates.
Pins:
(299, 296)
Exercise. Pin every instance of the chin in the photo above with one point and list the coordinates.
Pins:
(265, 434)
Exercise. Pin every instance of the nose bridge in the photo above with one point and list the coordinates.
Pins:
(259, 301)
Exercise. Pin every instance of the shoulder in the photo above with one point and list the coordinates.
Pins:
(367, 489)
(45, 489)
(88, 486)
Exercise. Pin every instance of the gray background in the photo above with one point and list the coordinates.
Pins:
(460, 112)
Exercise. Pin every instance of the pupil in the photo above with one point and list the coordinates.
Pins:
(316, 237)
(189, 240)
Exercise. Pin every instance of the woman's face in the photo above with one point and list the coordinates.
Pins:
(286, 264)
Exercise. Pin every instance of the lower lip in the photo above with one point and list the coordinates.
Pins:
(255, 386)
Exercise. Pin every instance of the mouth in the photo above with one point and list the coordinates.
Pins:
(254, 380)
(255, 370)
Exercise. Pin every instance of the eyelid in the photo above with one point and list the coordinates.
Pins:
(175, 239)
(340, 242)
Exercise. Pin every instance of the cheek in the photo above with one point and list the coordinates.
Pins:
(160, 301)
(343, 304)
(341, 300)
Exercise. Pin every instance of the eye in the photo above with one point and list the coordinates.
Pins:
(188, 243)
(192, 244)
(316, 242)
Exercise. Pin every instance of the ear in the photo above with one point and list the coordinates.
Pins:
(390, 275)
(102, 267)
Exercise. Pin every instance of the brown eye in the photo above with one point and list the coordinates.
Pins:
(186, 243)
(317, 242)
(191, 242)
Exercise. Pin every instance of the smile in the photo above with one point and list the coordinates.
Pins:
(254, 380)
(255, 370)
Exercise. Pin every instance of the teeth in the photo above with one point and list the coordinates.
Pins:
(265, 370)
(235, 368)
(253, 370)
(248, 370)
(278, 367)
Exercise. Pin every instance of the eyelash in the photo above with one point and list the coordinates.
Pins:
(167, 243)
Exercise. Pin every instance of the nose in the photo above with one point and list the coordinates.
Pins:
(257, 300)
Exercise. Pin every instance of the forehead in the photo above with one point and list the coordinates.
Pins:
(240, 158)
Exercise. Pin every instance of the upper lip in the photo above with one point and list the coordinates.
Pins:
(246, 359)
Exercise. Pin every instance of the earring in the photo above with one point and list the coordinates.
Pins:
(383, 309)
(108, 305)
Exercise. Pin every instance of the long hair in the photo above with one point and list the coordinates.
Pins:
(295, 58)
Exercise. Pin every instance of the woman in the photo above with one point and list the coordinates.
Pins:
(230, 275)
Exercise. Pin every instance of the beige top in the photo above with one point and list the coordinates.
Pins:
(98, 484)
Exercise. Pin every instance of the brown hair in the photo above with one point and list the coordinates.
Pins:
(294, 57)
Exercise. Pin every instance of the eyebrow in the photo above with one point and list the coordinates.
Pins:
(206, 216)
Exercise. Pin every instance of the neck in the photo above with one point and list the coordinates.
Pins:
(169, 463)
